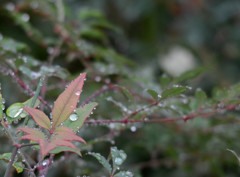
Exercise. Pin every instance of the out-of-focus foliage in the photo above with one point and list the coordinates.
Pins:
(137, 54)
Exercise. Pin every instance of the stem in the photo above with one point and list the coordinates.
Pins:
(8, 132)
(99, 92)
(10, 163)
(40, 84)
(22, 84)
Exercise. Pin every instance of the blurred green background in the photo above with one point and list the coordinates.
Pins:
(131, 43)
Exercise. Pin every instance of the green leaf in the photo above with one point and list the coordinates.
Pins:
(76, 120)
(188, 75)
(164, 81)
(67, 101)
(93, 34)
(153, 93)
(15, 112)
(29, 102)
(55, 71)
(172, 92)
(11, 45)
(102, 160)
(5, 156)
(128, 94)
(201, 97)
(39, 117)
(118, 157)
(124, 174)
(18, 166)
(59, 149)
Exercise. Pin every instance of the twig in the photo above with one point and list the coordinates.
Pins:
(23, 85)
(99, 92)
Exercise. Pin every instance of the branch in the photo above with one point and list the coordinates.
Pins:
(15, 77)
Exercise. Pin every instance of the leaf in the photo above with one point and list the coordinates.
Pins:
(18, 166)
(188, 75)
(32, 134)
(172, 92)
(128, 95)
(6, 156)
(82, 114)
(153, 93)
(16, 111)
(66, 134)
(102, 160)
(67, 101)
(39, 117)
(124, 174)
(235, 154)
(164, 81)
(201, 97)
(118, 157)
(29, 102)
(59, 149)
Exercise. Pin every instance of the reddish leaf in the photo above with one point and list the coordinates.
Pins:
(39, 117)
(32, 134)
(67, 134)
(67, 101)
(46, 147)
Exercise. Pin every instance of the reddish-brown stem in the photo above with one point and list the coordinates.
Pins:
(22, 84)
(99, 92)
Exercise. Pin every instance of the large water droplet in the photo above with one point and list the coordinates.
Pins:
(73, 117)
(78, 93)
(133, 128)
(118, 161)
(44, 163)
(25, 17)
(98, 79)
(10, 6)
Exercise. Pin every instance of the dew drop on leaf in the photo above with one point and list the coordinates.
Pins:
(133, 128)
(78, 93)
(73, 117)
(98, 79)
(25, 17)
(44, 163)
(118, 161)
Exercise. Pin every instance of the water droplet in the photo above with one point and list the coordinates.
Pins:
(45, 162)
(118, 161)
(129, 174)
(34, 4)
(133, 128)
(18, 113)
(10, 6)
(78, 93)
(112, 142)
(107, 81)
(3, 100)
(98, 79)
(73, 117)
(50, 50)
(25, 17)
